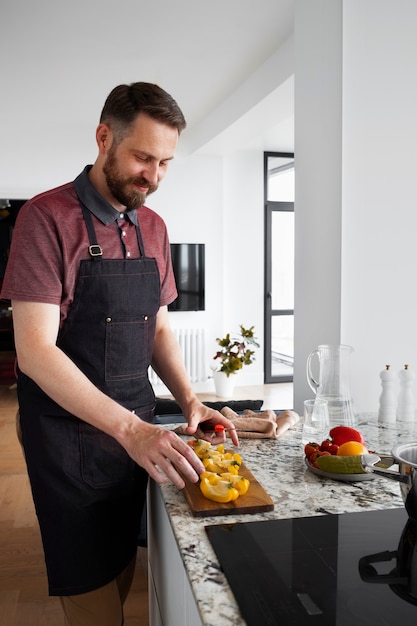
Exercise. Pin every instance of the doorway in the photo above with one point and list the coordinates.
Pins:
(279, 266)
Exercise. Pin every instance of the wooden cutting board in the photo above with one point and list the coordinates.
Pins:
(255, 500)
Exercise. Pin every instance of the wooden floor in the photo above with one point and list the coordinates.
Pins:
(24, 599)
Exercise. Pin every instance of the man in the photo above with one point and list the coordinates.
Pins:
(90, 278)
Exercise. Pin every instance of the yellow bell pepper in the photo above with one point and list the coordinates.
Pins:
(234, 457)
(221, 465)
(221, 481)
(212, 466)
(219, 491)
(239, 482)
(214, 454)
(233, 466)
(212, 477)
(201, 448)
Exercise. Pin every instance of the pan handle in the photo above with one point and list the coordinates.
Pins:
(368, 463)
(369, 573)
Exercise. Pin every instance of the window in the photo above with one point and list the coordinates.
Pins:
(279, 266)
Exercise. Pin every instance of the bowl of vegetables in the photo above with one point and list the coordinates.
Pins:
(340, 455)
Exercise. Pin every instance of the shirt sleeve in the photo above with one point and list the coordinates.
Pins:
(34, 267)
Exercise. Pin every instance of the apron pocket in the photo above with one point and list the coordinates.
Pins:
(104, 462)
(128, 348)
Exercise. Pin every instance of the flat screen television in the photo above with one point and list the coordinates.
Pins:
(188, 262)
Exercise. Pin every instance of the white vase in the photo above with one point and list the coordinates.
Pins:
(223, 384)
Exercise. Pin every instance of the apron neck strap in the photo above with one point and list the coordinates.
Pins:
(94, 249)
(140, 240)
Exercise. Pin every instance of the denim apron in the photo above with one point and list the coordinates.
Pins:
(88, 493)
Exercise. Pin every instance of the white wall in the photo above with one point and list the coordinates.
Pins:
(243, 251)
(355, 61)
(379, 190)
(219, 201)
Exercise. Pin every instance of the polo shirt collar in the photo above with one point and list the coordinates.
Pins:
(95, 203)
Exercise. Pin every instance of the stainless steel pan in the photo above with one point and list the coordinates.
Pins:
(405, 455)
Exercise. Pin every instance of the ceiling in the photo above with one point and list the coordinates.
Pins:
(61, 59)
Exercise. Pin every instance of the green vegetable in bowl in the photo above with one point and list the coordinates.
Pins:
(340, 464)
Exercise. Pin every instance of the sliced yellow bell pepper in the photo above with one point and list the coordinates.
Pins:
(201, 447)
(213, 454)
(220, 481)
(213, 465)
(233, 466)
(221, 465)
(220, 491)
(212, 477)
(234, 457)
(239, 482)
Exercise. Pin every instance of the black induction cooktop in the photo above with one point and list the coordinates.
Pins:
(305, 571)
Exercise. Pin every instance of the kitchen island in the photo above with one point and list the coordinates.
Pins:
(186, 584)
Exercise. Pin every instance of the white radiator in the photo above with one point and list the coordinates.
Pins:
(193, 348)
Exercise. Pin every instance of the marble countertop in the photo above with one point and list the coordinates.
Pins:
(279, 467)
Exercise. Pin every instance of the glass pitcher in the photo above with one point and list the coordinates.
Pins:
(333, 382)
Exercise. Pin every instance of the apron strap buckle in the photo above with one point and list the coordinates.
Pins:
(95, 250)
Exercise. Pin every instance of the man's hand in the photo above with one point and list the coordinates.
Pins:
(163, 455)
(202, 419)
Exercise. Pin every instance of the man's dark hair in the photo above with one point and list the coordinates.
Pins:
(125, 102)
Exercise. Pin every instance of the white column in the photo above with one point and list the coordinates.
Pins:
(318, 178)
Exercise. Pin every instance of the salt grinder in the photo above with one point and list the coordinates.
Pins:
(387, 399)
(405, 405)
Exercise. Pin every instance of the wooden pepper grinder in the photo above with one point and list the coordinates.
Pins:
(405, 406)
(387, 400)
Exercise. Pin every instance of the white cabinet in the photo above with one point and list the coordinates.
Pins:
(171, 600)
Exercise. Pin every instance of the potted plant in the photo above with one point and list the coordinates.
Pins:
(235, 352)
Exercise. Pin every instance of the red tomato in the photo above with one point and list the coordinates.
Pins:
(328, 446)
(311, 447)
(342, 434)
(313, 457)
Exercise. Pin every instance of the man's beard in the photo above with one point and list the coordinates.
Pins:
(121, 188)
